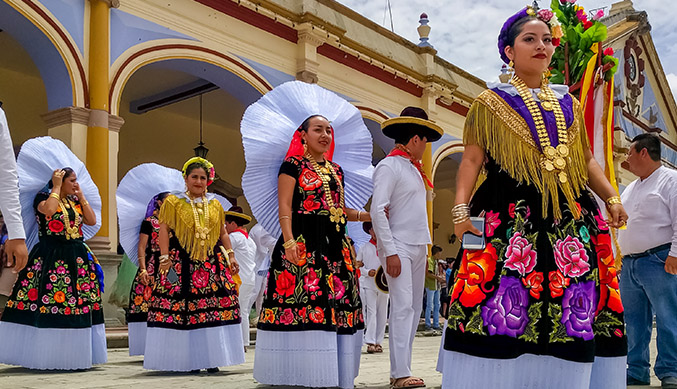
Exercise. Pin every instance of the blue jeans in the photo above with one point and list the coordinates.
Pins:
(647, 288)
(432, 304)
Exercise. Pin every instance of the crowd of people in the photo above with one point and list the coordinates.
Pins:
(538, 306)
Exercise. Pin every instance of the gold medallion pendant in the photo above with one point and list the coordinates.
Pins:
(563, 177)
(563, 150)
(559, 163)
(550, 152)
(547, 106)
(549, 166)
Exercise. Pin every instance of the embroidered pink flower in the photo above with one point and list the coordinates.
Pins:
(520, 255)
(571, 258)
(200, 278)
(311, 281)
(339, 289)
(61, 270)
(491, 223)
(287, 316)
(601, 222)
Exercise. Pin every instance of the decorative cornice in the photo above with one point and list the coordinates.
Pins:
(78, 115)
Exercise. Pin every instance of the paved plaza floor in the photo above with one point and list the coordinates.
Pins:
(123, 371)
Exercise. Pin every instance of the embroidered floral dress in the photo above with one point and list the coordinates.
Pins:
(140, 294)
(57, 295)
(193, 319)
(320, 296)
(545, 284)
(322, 292)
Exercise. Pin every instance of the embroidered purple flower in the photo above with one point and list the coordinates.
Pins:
(578, 309)
(506, 311)
(492, 222)
(520, 255)
(571, 258)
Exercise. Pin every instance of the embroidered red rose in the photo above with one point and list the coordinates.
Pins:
(302, 253)
(557, 283)
(303, 313)
(67, 311)
(200, 278)
(285, 284)
(533, 282)
(33, 294)
(309, 180)
(317, 315)
(147, 292)
(309, 204)
(477, 269)
(55, 226)
(311, 281)
(287, 316)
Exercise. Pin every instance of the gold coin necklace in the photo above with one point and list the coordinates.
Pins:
(72, 232)
(336, 213)
(201, 229)
(554, 158)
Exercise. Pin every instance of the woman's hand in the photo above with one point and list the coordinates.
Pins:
(163, 268)
(466, 226)
(618, 216)
(292, 254)
(77, 192)
(57, 178)
(144, 277)
(234, 266)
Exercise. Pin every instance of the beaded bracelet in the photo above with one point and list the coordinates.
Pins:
(289, 244)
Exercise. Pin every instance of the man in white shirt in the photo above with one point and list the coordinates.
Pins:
(401, 187)
(15, 246)
(245, 254)
(374, 300)
(265, 243)
(648, 280)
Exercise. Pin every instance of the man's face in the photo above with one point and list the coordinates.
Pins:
(634, 159)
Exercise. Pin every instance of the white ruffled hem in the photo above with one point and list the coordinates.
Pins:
(462, 371)
(307, 358)
(52, 348)
(185, 350)
(136, 337)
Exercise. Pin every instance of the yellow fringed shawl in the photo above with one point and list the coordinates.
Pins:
(177, 214)
(499, 130)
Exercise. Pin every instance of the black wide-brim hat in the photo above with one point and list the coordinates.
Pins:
(380, 280)
(239, 217)
(412, 119)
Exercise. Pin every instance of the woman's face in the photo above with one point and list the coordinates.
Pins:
(196, 181)
(318, 136)
(533, 48)
(70, 184)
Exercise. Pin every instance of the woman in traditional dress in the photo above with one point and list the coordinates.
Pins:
(311, 324)
(539, 306)
(54, 317)
(142, 286)
(193, 313)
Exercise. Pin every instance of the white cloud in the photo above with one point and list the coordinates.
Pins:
(464, 31)
(672, 80)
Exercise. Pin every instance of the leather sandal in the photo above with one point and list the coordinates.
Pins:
(407, 382)
(378, 348)
(371, 349)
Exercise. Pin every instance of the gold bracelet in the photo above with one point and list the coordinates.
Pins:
(164, 258)
(613, 200)
(55, 195)
(289, 244)
(284, 217)
(229, 251)
(143, 271)
(359, 213)
(84, 203)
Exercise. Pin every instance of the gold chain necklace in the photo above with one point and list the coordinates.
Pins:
(336, 214)
(71, 232)
(552, 158)
(201, 229)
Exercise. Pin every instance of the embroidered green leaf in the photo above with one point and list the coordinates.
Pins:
(530, 332)
(594, 275)
(456, 315)
(475, 324)
(552, 238)
(605, 322)
(558, 333)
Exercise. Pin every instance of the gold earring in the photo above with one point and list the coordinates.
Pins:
(511, 68)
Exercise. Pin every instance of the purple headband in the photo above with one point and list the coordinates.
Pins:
(152, 205)
(503, 35)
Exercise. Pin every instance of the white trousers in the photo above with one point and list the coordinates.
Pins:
(246, 299)
(406, 303)
(7, 280)
(260, 288)
(376, 311)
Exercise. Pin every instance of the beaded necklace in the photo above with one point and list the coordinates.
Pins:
(552, 158)
(201, 229)
(336, 213)
(71, 232)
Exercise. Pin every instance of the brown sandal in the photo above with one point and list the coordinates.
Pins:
(407, 382)
(371, 349)
(378, 348)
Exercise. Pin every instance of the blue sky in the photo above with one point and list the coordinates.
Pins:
(464, 31)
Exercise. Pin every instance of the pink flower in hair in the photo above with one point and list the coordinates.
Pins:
(545, 15)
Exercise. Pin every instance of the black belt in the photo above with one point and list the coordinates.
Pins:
(650, 251)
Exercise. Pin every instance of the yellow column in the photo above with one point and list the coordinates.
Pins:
(97, 131)
(428, 169)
